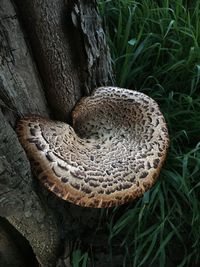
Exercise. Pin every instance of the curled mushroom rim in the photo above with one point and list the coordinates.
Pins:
(112, 155)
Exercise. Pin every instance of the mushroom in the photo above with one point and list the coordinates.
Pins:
(111, 155)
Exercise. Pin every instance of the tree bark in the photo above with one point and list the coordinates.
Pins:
(57, 57)
(48, 26)
(21, 94)
(96, 64)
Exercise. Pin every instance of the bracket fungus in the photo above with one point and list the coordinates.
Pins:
(111, 155)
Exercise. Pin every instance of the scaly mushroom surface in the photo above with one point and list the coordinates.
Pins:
(113, 153)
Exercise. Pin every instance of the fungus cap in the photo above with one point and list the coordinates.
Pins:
(111, 155)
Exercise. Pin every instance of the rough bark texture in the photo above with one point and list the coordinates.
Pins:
(70, 59)
(20, 86)
(97, 63)
(71, 62)
(49, 29)
(21, 94)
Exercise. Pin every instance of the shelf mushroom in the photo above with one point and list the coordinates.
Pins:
(111, 155)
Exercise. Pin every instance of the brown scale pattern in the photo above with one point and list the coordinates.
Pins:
(113, 153)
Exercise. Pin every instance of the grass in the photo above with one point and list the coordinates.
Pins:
(79, 259)
(155, 48)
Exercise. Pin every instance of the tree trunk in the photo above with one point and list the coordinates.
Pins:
(51, 52)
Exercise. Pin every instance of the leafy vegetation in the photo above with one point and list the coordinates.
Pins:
(155, 48)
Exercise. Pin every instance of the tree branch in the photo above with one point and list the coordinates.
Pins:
(20, 94)
(19, 203)
(96, 60)
(50, 31)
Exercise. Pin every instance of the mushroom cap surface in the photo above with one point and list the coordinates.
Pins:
(111, 155)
